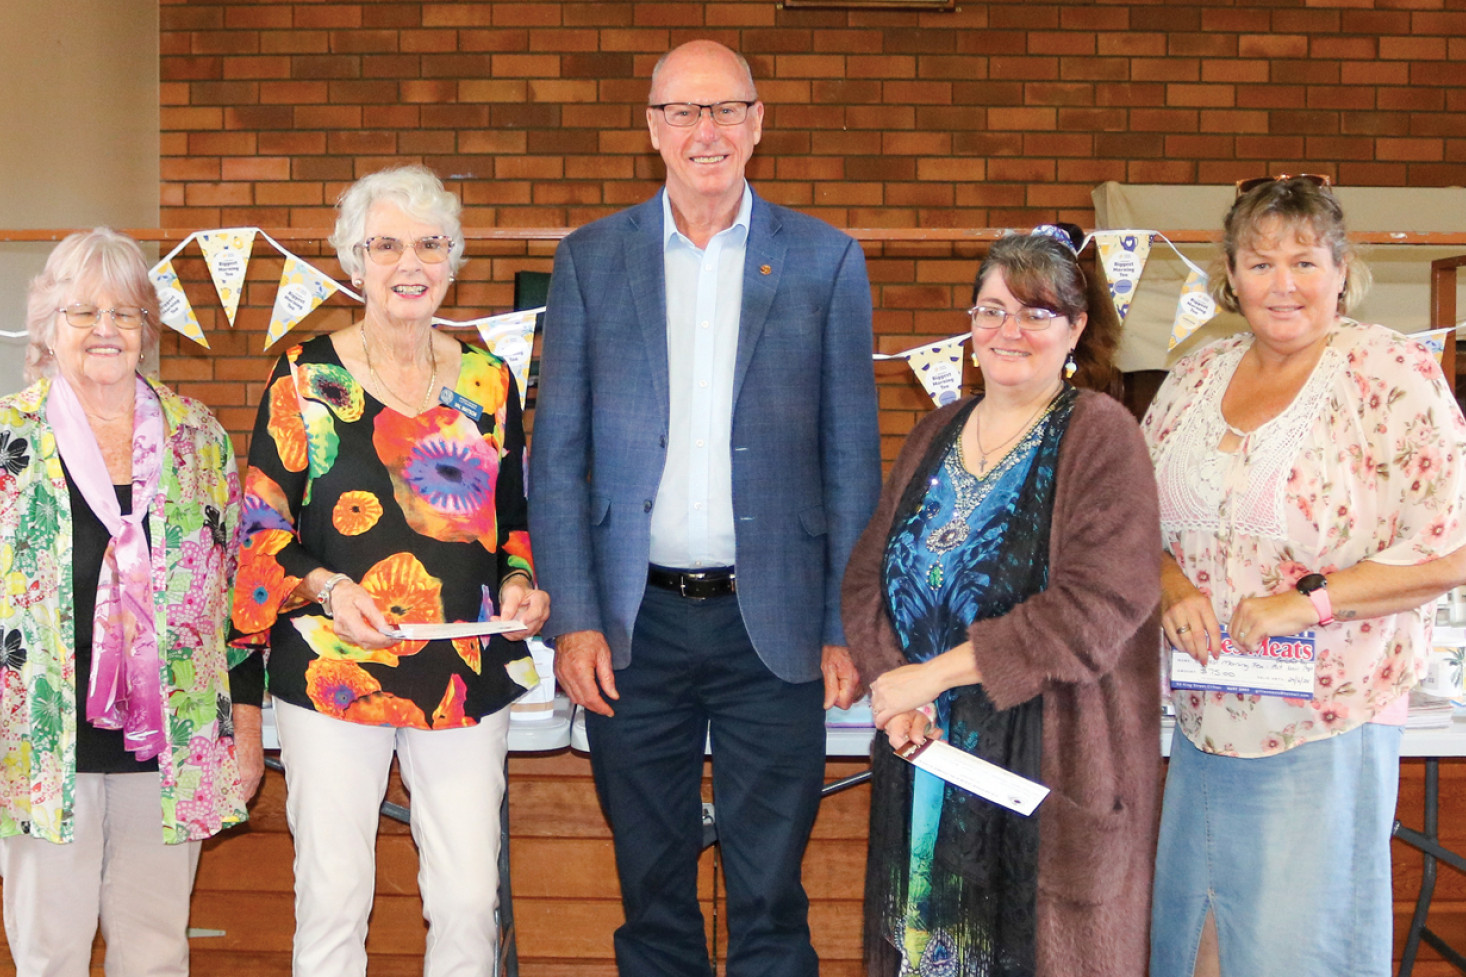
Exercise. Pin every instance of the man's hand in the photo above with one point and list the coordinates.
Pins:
(842, 681)
(583, 669)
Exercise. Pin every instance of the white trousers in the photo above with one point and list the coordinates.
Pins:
(117, 870)
(336, 777)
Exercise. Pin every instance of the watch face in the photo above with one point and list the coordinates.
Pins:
(1308, 583)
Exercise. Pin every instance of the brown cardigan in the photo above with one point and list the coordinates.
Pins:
(1090, 644)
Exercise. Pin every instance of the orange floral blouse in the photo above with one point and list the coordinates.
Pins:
(427, 513)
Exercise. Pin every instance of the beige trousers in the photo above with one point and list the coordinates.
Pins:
(117, 871)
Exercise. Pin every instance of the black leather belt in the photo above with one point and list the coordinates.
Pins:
(694, 584)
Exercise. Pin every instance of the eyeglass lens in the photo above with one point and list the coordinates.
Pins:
(87, 316)
(688, 113)
(389, 250)
(1029, 320)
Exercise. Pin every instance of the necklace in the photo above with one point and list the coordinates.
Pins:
(982, 453)
(432, 380)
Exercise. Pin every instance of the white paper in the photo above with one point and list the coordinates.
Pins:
(1284, 667)
(986, 780)
(457, 629)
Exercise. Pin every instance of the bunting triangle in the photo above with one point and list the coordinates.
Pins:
(1122, 255)
(227, 254)
(173, 306)
(302, 289)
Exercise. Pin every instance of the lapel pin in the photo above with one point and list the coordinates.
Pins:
(765, 269)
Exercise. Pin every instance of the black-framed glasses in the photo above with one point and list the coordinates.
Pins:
(430, 250)
(684, 114)
(127, 317)
(1317, 179)
(1029, 320)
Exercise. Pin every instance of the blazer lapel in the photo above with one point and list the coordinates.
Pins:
(763, 266)
(645, 271)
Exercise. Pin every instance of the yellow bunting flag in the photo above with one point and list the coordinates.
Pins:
(227, 254)
(302, 289)
(1194, 309)
(173, 305)
(511, 338)
(1123, 254)
(939, 368)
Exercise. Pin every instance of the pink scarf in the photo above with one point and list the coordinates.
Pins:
(126, 689)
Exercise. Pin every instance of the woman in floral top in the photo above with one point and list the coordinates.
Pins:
(120, 746)
(370, 503)
(1311, 480)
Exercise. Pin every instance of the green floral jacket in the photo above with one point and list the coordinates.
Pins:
(192, 527)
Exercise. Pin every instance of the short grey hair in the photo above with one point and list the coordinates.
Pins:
(420, 195)
(78, 269)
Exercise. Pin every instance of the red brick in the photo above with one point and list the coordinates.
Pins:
(1239, 71)
(363, 41)
(221, 143)
(1201, 96)
(1011, 68)
(595, 65)
(293, 92)
(1411, 99)
(918, 92)
(562, 92)
(1236, 20)
(1271, 96)
(1341, 97)
(322, 66)
(1130, 95)
(397, 15)
(363, 92)
(810, 168)
(1058, 144)
(328, 116)
(256, 168)
(427, 41)
(518, 65)
(1165, 69)
(225, 42)
(257, 67)
(561, 142)
(891, 169)
(1095, 69)
(1089, 18)
(956, 119)
(1435, 73)
(1132, 45)
(895, 118)
(906, 66)
(1313, 71)
(216, 194)
(190, 118)
(987, 93)
(1389, 150)
(1090, 171)
(1161, 171)
(1083, 120)
(1124, 145)
(189, 168)
(1344, 48)
(197, 18)
(1452, 24)
(1235, 121)
(832, 94)
(1436, 124)
(295, 42)
(1375, 22)
(1375, 124)
(809, 117)
(848, 42)
(1336, 148)
(1021, 118)
(1205, 46)
(1009, 170)
(174, 68)
(983, 42)
(1412, 48)
(1063, 43)
(319, 15)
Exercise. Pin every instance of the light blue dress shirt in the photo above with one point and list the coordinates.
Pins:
(692, 521)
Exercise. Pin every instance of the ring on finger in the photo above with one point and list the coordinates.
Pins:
(1183, 629)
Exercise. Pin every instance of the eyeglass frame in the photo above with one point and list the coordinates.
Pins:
(1321, 180)
(404, 246)
(142, 319)
(700, 106)
(1048, 318)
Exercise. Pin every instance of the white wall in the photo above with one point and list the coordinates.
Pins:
(78, 132)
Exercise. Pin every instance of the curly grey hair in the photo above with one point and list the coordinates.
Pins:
(420, 195)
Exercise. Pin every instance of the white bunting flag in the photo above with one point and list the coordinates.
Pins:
(511, 338)
(227, 254)
(939, 368)
(1194, 309)
(1123, 254)
(302, 290)
(173, 305)
(1433, 340)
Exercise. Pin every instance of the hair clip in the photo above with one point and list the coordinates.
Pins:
(1058, 234)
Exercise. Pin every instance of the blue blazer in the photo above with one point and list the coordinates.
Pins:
(806, 455)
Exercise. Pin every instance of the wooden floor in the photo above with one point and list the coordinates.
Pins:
(565, 895)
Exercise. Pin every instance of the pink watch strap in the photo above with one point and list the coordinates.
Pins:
(1322, 604)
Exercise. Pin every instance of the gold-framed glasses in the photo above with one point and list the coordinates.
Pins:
(684, 114)
(430, 250)
(1317, 179)
(127, 317)
(1029, 320)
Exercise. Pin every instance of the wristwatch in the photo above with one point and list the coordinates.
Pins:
(1315, 586)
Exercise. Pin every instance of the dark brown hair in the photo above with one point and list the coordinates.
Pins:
(1042, 271)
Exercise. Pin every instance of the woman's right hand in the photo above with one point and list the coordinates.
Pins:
(357, 618)
(1187, 616)
(912, 726)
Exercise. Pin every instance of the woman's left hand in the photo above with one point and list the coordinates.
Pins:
(249, 748)
(1256, 619)
(517, 599)
(903, 689)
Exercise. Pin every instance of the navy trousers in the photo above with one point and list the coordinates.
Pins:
(694, 670)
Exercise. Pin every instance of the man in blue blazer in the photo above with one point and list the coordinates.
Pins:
(705, 455)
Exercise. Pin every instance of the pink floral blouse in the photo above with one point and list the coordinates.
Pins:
(1366, 463)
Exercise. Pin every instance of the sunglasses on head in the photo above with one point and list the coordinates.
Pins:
(1317, 179)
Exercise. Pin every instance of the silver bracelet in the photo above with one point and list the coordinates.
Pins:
(323, 597)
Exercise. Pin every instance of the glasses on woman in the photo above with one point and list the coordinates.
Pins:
(1029, 320)
(1317, 179)
(388, 250)
(684, 114)
(87, 316)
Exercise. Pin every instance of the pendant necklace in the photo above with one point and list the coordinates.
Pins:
(432, 380)
(982, 453)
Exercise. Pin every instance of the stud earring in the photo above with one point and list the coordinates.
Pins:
(356, 283)
(1070, 367)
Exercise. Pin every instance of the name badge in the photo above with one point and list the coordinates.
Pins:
(448, 397)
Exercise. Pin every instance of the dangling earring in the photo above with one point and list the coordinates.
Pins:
(1070, 367)
(974, 360)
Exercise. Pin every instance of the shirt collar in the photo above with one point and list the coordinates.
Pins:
(670, 234)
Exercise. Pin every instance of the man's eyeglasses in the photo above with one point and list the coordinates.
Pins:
(684, 114)
(388, 250)
(1029, 320)
(127, 317)
(1317, 179)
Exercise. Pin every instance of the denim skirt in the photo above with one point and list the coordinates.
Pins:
(1291, 853)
